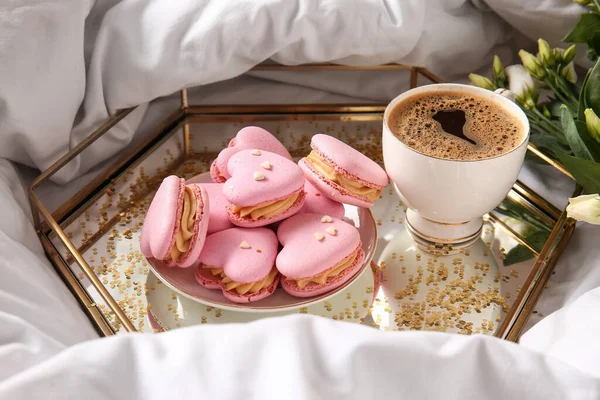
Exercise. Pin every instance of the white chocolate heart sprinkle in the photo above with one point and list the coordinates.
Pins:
(319, 236)
(259, 176)
(326, 218)
(266, 165)
(245, 245)
(256, 152)
(331, 230)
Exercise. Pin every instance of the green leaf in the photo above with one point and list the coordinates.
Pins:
(594, 42)
(586, 172)
(590, 143)
(521, 253)
(584, 30)
(591, 90)
(554, 108)
(582, 107)
(572, 135)
(518, 254)
(549, 143)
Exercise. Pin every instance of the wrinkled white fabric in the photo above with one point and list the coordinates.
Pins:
(299, 357)
(144, 49)
(131, 59)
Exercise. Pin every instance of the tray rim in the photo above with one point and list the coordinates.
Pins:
(46, 222)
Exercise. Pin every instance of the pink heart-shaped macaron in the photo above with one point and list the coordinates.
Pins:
(218, 220)
(317, 202)
(342, 173)
(258, 180)
(163, 236)
(314, 244)
(250, 137)
(245, 256)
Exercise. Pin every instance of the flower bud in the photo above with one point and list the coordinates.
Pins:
(569, 54)
(569, 73)
(482, 82)
(528, 103)
(585, 208)
(592, 123)
(546, 112)
(546, 53)
(584, 3)
(498, 70)
(532, 64)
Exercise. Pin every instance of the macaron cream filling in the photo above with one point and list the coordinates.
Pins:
(324, 168)
(267, 210)
(242, 288)
(321, 279)
(186, 227)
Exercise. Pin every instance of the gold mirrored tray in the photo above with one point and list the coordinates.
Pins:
(92, 239)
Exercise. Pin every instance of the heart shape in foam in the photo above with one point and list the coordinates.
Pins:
(248, 138)
(310, 247)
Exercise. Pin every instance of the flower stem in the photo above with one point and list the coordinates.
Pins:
(548, 126)
(562, 91)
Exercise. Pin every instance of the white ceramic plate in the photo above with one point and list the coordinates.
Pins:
(183, 281)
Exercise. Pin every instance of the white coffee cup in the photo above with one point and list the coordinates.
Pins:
(447, 199)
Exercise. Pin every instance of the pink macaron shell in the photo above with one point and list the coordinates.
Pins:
(348, 160)
(282, 179)
(214, 173)
(304, 256)
(317, 202)
(218, 220)
(331, 189)
(250, 137)
(223, 250)
(250, 223)
(163, 218)
(206, 279)
(201, 222)
(315, 289)
(250, 297)
(145, 243)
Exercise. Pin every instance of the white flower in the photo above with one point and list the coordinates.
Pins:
(569, 72)
(522, 84)
(519, 80)
(585, 208)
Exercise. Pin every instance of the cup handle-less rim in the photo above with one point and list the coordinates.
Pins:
(504, 102)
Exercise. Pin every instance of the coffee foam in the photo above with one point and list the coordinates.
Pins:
(493, 129)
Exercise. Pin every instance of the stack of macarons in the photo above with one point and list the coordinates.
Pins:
(266, 220)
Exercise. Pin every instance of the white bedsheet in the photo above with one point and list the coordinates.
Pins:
(295, 357)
